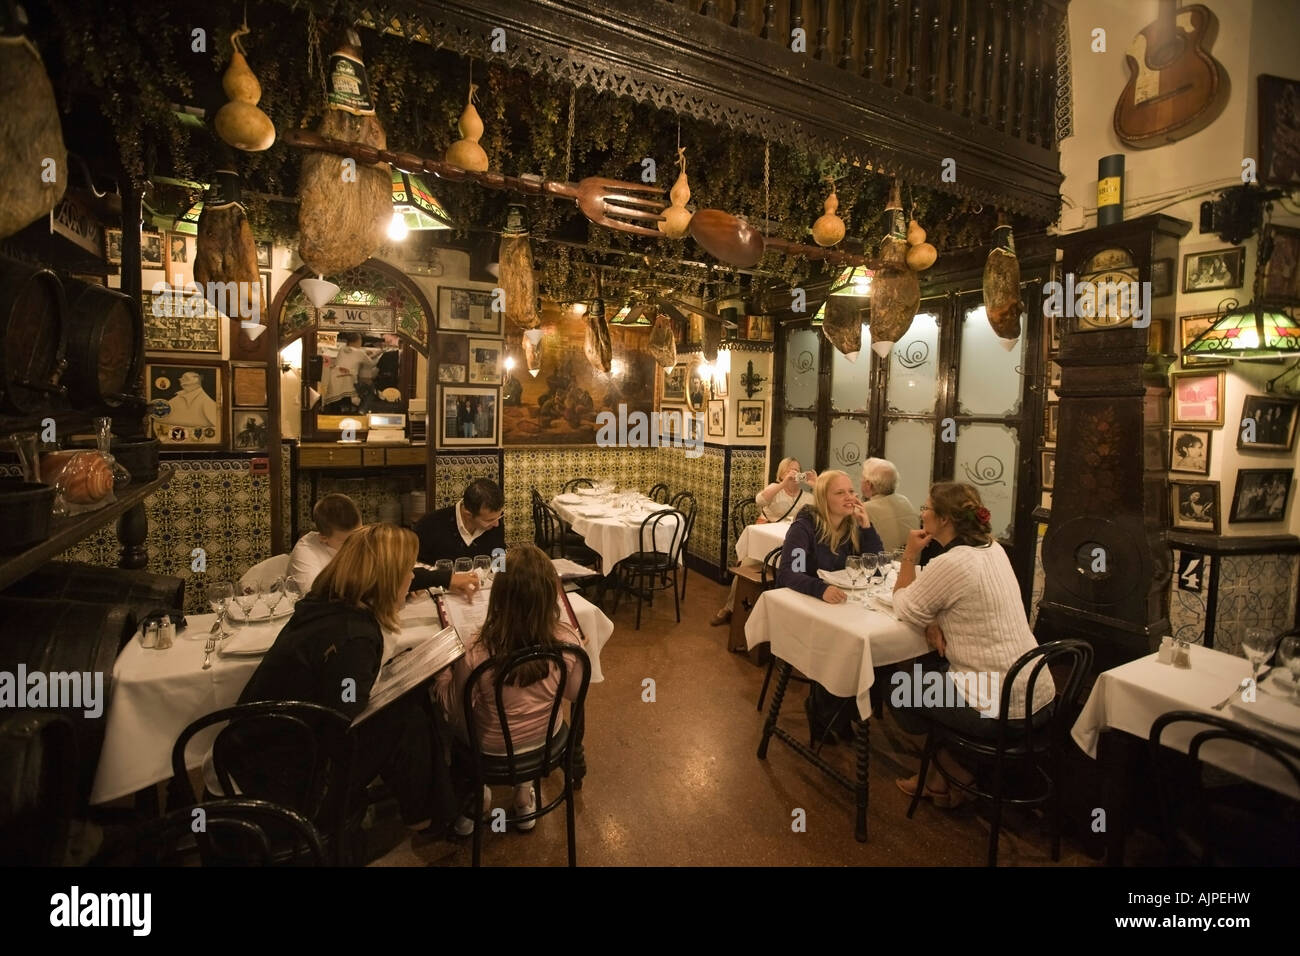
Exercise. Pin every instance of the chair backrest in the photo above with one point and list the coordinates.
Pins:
(555, 749)
(743, 515)
(265, 571)
(573, 484)
(296, 754)
(548, 529)
(684, 502)
(234, 832)
(1076, 656)
(658, 493)
(649, 541)
(771, 562)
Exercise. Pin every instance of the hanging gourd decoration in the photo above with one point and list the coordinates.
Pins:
(663, 343)
(466, 152)
(518, 280)
(921, 255)
(829, 228)
(677, 218)
(1002, 286)
(240, 123)
(895, 289)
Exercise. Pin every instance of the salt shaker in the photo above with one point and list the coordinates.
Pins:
(149, 635)
(166, 633)
(1166, 653)
(1182, 654)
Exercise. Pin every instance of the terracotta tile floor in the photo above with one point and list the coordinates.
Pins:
(676, 782)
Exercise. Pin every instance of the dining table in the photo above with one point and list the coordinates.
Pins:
(756, 541)
(610, 523)
(155, 694)
(839, 646)
(1125, 701)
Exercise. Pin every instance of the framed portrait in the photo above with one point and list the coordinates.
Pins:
(113, 246)
(1279, 130)
(717, 419)
(453, 358)
(249, 429)
(1048, 462)
(675, 383)
(1162, 278)
(1197, 398)
(1269, 421)
(670, 422)
(467, 310)
(151, 250)
(266, 288)
(186, 403)
(697, 388)
(1195, 505)
(178, 249)
(750, 421)
(1051, 417)
(485, 361)
(247, 385)
(468, 416)
(1216, 269)
(263, 247)
(1189, 450)
(1281, 279)
(1053, 374)
(1189, 327)
(1261, 494)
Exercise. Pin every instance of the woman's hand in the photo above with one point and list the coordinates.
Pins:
(934, 637)
(860, 515)
(833, 595)
(790, 485)
(916, 542)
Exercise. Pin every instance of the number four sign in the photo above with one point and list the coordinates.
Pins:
(1191, 568)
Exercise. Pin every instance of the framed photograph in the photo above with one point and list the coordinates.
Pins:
(468, 416)
(1281, 279)
(178, 248)
(113, 246)
(675, 383)
(266, 288)
(717, 419)
(247, 385)
(485, 357)
(1189, 327)
(670, 422)
(697, 388)
(175, 321)
(151, 250)
(1261, 494)
(1189, 450)
(1051, 416)
(1272, 420)
(186, 403)
(1279, 130)
(1053, 374)
(453, 358)
(1048, 462)
(249, 429)
(263, 247)
(1195, 505)
(1216, 269)
(750, 419)
(467, 310)
(1054, 333)
(1162, 278)
(1197, 398)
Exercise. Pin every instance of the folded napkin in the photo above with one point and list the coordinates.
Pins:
(840, 579)
(251, 640)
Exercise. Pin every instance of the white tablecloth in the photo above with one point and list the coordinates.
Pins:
(837, 645)
(157, 694)
(609, 535)
(1130, 698)
(757, 540)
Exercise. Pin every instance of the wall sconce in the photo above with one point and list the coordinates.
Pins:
(252, 330)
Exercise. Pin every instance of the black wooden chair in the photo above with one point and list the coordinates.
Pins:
(573, 484)
(557, 538)
(743, 514)
(648, 570)
(536, 764)
(310, 772)
(1026, 742)
(658, 493)
(1215, 817)
(684, 502)
(767, 580)
(228, 832)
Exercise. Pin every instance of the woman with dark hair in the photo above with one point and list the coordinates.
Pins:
(968, 600)
(523, 611)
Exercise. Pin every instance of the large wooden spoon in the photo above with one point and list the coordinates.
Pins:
(735, 242)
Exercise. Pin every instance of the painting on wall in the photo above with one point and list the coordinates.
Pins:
(559, 406)
(185, 403)
(1279, 130)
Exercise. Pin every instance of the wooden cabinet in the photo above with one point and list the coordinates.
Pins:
(314, 456)
(329, 456)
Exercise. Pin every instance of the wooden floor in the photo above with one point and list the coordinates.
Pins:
(676, 782)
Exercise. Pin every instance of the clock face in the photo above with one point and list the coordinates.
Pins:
(1107, 291)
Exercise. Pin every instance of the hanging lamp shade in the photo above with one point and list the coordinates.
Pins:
(1255, 330)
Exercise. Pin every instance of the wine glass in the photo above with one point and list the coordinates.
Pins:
(444, 566)
(882, 561)
(292, 591)
(247, 600)
(869, 565)
(483, 568)
(1257, 646)
(1288, 655)
(463, 565)
(853, 566)
(272, 594)
(220, 594)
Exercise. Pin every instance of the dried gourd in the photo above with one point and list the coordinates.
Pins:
(829, 228)
(240, 123)
(921, 255)
(677, 218)
(466, 152)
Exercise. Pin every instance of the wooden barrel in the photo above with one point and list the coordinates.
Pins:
(139, 592)
(32, 310)
(105, 331)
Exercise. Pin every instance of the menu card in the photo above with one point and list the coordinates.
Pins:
(412, 667)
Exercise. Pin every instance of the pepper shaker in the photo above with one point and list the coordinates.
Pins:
(166, 633)
(1182, 654)
(149, 635)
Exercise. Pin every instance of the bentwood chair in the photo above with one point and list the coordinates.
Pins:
(767, 580)
(658, 493)
(743, 514)
(553, 535)
(231, 832)
(1216, 817)
(648, 570)
(684, 502)
(1027, 743)
(573, 484)
(537, 763)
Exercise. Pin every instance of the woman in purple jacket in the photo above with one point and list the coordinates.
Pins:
(822, 536)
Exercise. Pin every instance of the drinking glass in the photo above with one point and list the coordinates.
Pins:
(1288, 655)
(292, 591)
(220, 594)
(444, 565)
(483, 568)
(272, 594)
(1257, 646)
(853, 566)
(882, 562)
(869, 564)
(463, 565)
(247, 600)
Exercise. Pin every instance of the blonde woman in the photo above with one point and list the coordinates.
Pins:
(330, 653)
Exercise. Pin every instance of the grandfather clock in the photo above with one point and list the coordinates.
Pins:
(1105, 560)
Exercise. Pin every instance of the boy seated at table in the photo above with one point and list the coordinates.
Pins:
(336, 517)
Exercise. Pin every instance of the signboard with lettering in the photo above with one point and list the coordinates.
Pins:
(73, 222)
(360, 317)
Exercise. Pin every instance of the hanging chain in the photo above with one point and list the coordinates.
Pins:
(315, 62)
(568, 145)
(767, 183)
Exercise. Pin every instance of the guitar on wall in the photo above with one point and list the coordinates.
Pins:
(1175, 87)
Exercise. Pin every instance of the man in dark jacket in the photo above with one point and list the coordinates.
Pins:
(468, 528)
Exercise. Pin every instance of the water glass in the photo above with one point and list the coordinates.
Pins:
(272, 594)
(463, 565)
(882, 562)
(1257, 645)
(292, 591)
(869, 565)
(247, 600)
(853, 566)
(483, 568)
(220, 594)
(1288, 656)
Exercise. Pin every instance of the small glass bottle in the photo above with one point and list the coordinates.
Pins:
(166, 633)
(1166, 653)
(1182, 654)
(121, 477)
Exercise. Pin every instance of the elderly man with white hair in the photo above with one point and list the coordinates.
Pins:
(892, 515)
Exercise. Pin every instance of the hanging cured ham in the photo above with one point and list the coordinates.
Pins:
(225, 251)
(895, 289)
(33, 159)
(1002, 286)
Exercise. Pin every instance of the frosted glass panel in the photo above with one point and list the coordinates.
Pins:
(991, 379)
(914, 365)
(851, 381)
(801, 368)
(801, 440)
(986, 458)
(910, 446)
(848, 445)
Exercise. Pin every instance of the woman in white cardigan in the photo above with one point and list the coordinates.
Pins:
(968, 600)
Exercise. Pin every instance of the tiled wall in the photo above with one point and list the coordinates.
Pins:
(1255, 590)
